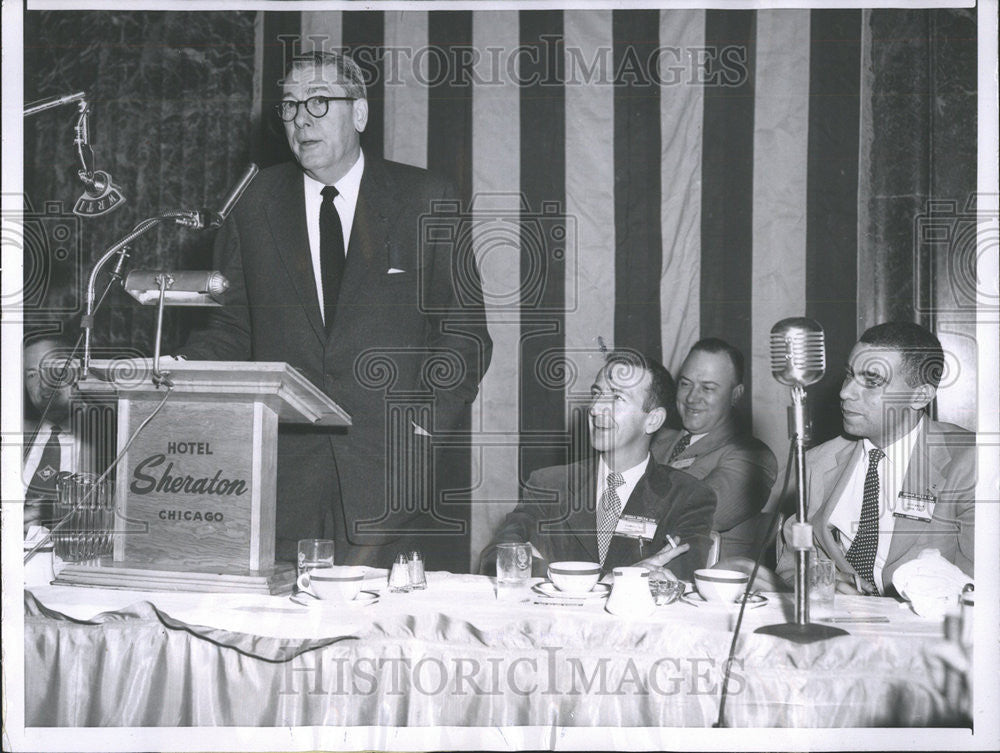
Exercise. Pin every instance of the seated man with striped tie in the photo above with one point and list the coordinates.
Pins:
(714, 447)
(619, 507)
(898, 483)
(49, 446)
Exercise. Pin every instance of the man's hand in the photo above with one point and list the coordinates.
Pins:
(32, 515)
(655, 562)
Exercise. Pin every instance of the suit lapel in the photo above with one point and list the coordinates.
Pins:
(582, 520)
(834, 478)
(711, 441)
(924, 476)
(367, 252)
(286, 217)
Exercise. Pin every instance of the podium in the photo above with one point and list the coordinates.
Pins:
(195, 490)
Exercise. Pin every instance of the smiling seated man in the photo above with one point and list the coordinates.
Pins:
(619, 506)
(713, 446)
(897, 482)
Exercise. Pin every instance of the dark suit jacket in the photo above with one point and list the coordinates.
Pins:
(413, 341)
(739, 468)
(942, 464)
(558, 515)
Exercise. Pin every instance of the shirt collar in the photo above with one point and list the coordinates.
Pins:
(349, 186)
(631, 476)
(898, 451)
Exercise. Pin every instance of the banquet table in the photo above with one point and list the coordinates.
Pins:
(455, 655)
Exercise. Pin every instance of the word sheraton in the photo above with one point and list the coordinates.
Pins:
(170, 483)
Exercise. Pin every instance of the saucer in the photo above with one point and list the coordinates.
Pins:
(363, 599)
(547, 588)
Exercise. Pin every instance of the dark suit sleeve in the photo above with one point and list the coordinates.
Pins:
(689, 519)
(522, 525)
(458, 342)
(226, 336)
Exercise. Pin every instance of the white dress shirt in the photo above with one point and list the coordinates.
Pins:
(891, 475)
(345, 203)
(631, 476)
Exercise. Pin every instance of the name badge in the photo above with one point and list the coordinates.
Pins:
(915, 506)
(636, 527)
(680, 465)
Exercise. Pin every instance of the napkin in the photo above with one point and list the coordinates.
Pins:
(930, 583)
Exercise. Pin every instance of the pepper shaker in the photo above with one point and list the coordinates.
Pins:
(418, 579)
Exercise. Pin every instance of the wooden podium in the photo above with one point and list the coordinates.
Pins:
(195, 491)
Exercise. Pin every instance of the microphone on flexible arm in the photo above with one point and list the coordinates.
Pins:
(798, 359)
(209, 219)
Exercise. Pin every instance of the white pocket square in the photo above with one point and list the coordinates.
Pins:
(394, 271)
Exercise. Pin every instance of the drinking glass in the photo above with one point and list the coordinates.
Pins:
(822, 575)
(314, 554)
(513, 568)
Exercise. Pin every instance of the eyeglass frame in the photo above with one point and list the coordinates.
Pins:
(278, 108)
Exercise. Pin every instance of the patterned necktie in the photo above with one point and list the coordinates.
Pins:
(611, 508)
(861, 553)
(42, 486)
(331, 253)
(682, 444)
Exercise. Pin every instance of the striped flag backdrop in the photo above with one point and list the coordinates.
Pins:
(635, 178)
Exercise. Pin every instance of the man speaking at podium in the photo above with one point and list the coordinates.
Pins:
(331, 270)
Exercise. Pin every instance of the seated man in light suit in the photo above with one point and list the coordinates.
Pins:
(713, 447)
(898, 483)
(620, 507)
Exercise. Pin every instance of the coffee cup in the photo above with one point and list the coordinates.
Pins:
(341, 583)
(720, 585)
(577, 578)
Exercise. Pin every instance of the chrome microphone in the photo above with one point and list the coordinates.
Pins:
(798, 351)
(234, 196)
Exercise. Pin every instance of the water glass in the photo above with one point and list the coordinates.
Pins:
(513, 568)
(86, 513)
(314, 554)
(822, 575)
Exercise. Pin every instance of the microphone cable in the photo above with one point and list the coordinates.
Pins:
(775, 516)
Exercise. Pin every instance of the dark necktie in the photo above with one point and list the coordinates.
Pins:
(611, 508)
(43, 483)
(682, 444)
(861, 553)
(331, 253)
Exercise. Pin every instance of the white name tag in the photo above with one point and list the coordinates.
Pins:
(915, 506)
(682, 464)
(636, 527)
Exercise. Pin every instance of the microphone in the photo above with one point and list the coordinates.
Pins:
(798, 351)
(100, 195)
(234, 196)
(210, 219)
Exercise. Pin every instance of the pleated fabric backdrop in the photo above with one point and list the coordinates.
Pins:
(635, 178)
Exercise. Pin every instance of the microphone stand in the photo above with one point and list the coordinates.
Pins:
(191, 219)
(801, 630)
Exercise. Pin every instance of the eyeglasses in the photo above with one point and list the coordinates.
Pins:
(316, 106)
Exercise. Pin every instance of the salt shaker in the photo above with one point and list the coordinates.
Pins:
(418, 579)
(399, 576)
